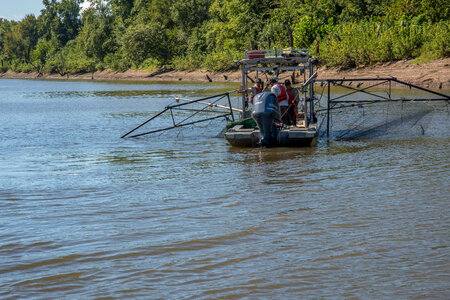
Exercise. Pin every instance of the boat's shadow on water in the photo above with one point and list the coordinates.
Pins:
(276, 154)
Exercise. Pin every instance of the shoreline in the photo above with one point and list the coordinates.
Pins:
(434, 74)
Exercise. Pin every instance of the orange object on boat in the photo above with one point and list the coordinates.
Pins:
(255, 54)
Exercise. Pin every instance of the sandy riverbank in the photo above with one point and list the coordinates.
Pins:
(434, 74)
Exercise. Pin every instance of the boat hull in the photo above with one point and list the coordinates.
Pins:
(287, 137)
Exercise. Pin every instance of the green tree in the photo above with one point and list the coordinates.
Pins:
(144, 41)
(28, 31)
(432, 10)
(60, 19)
(5, 27)
(18, 43)
(96, 37)
(44, 50)
(13, 46)
(237, 24)
(122, 8)
(188, 14)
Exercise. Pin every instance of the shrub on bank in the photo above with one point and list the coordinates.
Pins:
(222, 60)
(438, 43)
(117, 62)
(18, 65)
(188, 62)
(371, 41)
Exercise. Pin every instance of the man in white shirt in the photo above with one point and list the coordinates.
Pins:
(283, 99)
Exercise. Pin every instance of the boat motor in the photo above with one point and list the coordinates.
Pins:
(267, 115)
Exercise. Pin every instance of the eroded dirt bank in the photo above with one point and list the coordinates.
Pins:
(434, 74)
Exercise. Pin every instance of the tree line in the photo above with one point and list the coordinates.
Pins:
(212, 34)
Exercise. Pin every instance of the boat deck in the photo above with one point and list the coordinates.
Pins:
(292, 136)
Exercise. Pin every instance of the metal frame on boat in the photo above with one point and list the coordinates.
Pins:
(273, 63)
(371, 97)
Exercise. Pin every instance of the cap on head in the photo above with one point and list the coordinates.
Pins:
(287, 82)
(276, 91)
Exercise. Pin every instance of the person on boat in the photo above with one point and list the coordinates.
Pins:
(283, 99)
(257, 88)
(254, 90)
(293, 101)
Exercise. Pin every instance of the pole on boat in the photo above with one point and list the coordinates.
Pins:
(142, 124)
(421, 88)
(231, 109)
(211, 104)
(313, 76)
(328, 111)
(245, 112)
(304, 89)
(311, 91)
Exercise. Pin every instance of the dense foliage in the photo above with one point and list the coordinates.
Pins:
(211, 34)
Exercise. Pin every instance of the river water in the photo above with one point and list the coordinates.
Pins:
(85, 214)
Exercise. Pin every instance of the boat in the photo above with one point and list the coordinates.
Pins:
(259, 122)
(269, 130)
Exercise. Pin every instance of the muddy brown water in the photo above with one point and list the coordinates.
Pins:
(85, 214)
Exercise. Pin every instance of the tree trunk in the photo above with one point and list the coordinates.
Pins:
(317, 46)
(290, 37)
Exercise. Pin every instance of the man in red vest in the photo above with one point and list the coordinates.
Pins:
(257, 88)
(254, 90)
(283, 99)
(293, 101)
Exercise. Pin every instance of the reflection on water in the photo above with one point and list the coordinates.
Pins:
(86, 214)
(116, 94)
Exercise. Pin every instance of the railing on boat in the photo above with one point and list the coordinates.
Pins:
(275, 53)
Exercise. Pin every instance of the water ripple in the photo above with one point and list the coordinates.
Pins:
(85, 214)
